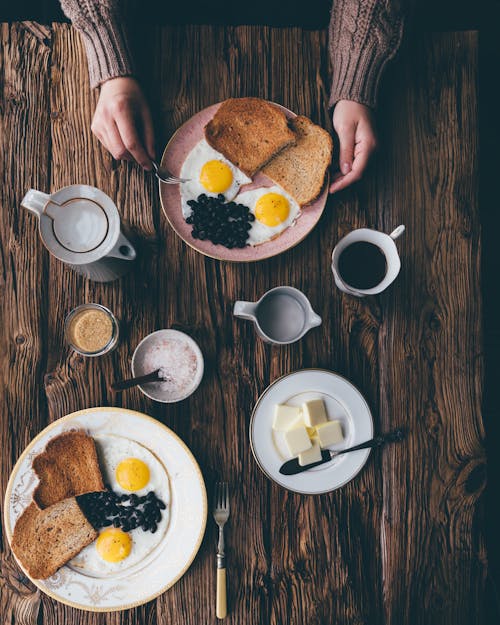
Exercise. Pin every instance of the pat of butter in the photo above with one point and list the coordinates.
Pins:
(314, 412)
(297, 440)
(286, 417)
(329, 433)
(310, 455)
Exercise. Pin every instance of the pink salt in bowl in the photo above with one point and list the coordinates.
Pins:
(179, 360)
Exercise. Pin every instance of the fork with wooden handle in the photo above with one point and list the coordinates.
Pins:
(221, 515)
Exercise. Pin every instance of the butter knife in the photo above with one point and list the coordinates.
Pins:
(292, 467)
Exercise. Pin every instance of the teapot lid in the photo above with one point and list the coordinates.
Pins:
(80, 224)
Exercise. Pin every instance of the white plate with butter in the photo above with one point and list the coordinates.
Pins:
(343, 403)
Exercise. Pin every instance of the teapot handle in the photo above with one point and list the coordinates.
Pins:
(35, 201)
(245, 310)
(123, 249)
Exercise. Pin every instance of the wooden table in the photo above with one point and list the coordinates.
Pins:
(401, 543)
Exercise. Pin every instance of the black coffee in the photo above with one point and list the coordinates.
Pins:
(362, 265)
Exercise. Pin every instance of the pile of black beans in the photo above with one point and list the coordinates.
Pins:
(107, 508)
(223, 223)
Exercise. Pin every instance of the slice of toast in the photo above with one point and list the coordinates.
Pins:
(67, 467)
(300, 169)
(248, 132)
(44, 540)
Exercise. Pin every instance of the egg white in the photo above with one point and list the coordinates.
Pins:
(259, 232)
(111, 450)
(191, 169)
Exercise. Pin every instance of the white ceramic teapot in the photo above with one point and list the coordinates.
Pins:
(80, 225)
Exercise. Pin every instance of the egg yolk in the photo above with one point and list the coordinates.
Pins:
(272, 209)
(132, 474)
(113, 545)
(216, 176)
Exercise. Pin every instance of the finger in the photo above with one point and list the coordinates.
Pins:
(342, 182)
(114, 143)
(149, 136)
(346, 136)
(359, 166)
(131, 140)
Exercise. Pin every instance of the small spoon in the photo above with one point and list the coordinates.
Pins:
(154, 376)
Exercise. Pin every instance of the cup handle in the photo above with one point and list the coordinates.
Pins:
(35, 201)
(123, 249)
(397, 232)
(245, 310)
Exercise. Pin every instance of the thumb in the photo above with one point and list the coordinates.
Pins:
(346, 136)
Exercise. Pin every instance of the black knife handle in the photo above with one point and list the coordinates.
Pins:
(378, 441)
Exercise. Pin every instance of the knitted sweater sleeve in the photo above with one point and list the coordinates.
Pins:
(104, 36)
(363, 36)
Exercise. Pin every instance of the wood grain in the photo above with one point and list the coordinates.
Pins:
(402, 543)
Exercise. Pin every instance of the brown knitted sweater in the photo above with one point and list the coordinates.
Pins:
(364, 36)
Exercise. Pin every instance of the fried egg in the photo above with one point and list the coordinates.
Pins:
(210, 173)
(128, 468)
(274, 212)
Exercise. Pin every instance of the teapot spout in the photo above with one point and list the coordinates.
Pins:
(35, 201)
(245, 310)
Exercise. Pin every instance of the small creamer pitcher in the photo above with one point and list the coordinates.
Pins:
(282, 315)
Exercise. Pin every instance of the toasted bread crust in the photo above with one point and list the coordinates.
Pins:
(67, 467)
(44, 540)
(249, 132)
(301, 168)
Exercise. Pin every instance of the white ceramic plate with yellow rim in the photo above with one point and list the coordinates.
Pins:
(343, 402)
(187, 512)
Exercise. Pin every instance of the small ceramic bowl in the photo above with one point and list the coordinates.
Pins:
(175, 353)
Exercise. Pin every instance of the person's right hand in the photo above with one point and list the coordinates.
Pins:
(122, 121)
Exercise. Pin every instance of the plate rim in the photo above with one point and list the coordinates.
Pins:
(250, 436)
(22, 457)
(235, 260)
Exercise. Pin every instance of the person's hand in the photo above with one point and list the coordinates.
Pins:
(355, 127)
(122, 121)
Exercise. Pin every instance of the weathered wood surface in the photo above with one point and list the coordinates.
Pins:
(402, 543)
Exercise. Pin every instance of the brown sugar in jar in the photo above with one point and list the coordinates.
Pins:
(91, 330)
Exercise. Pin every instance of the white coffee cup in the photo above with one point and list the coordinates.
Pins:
(385, 242)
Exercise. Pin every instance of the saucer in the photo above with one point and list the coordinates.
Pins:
(343, 402)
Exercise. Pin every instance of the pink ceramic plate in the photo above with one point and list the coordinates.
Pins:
(179, 146)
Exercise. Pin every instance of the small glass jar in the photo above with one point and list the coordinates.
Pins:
(91, 330)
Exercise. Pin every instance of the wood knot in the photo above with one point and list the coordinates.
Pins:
(476, 480)
(20, 339)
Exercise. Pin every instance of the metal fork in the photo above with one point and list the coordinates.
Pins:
(221, 515)
(165, 176)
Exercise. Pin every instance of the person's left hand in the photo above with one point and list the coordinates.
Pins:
(355, 127)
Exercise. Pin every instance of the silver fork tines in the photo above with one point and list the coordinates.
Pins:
(165, 176)
(221, 515)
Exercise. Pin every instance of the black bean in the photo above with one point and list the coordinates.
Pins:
(124, 497)
(145, 527)
(107, 522)
(153, 528)
(161, 505)
(125, 527)
(116, 522)
(251, 217)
